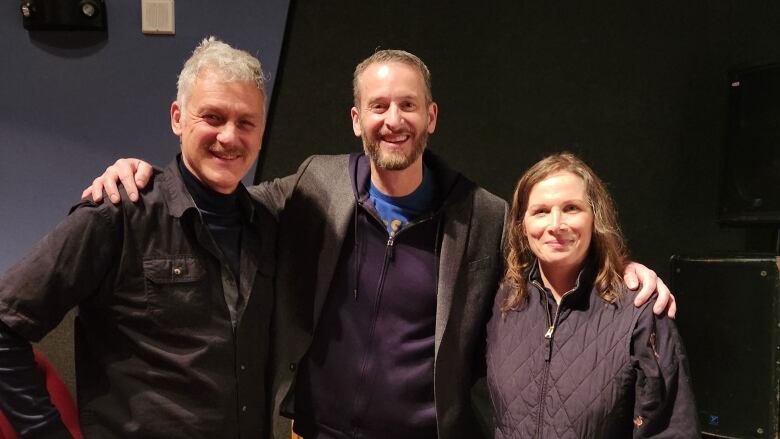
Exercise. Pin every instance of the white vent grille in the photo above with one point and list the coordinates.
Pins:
(157, 17)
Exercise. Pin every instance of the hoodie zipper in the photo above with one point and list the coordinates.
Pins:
(389, 256)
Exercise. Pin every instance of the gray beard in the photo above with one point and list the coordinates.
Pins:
(394, 161)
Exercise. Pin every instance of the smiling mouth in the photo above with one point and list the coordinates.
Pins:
(558, 244)
(396, 139)
(224, 155)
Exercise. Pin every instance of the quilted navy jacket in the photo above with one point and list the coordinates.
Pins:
(604, 371)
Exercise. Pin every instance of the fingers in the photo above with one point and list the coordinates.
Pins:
(629, 277)
(665, 300)
(86, 193)
(133, 173)
(123, 170)
(97, 190)
(645, 292)
(636, 276)
(107, 182)
(143, 174)
(672, 311)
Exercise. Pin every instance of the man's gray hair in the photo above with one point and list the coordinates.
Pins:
(229, 63)
(388, 56)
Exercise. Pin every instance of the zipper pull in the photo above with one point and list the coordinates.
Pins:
(390, 248)
(549, 333)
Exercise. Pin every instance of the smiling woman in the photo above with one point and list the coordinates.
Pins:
(568, 354)
(558, 224)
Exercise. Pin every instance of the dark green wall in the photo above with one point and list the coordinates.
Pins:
(639, 89)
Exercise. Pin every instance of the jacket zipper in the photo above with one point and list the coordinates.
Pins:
(548, 339)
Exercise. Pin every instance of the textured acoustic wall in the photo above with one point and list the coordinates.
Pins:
(638, 89)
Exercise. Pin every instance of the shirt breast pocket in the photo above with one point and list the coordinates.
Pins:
(176, 291)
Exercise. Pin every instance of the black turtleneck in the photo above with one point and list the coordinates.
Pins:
(222, 215)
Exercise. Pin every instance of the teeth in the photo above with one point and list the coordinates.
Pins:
(224, 156)
(394, 138)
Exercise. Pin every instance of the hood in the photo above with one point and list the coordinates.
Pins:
(452, 184)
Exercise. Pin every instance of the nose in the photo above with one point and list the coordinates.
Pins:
(556, 221)
(227, 134)
(394, 117)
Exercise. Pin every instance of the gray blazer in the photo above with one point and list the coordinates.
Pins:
(315, 207)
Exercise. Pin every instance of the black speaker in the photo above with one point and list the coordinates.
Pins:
(59, 15)
(729, 321)
(750, 185)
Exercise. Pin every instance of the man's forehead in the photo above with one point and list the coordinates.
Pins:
(383, 71)
(378, 75)
(387, 68)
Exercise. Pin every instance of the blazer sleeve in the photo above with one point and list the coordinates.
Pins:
(275, 193)
(664, 403)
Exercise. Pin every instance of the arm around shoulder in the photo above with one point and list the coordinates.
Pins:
(273, 194)
(665, 404)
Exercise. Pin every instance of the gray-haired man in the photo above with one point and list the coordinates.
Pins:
(173, 292)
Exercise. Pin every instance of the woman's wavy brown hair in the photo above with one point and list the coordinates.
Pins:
(607, 242)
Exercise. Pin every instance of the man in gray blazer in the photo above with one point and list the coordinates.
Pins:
(387, 264)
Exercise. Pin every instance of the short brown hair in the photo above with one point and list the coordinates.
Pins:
(607, 245)
(388, 56)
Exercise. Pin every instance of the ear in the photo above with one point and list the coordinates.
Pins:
(355, 113)
(433, 112)
(176, 124)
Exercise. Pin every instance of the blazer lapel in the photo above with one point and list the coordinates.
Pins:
(453, 249)
(339, 209)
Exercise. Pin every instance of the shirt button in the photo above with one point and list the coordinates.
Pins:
(243, 409)
(292, 367)
(243, 367)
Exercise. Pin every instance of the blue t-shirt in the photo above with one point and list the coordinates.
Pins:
(398, 211)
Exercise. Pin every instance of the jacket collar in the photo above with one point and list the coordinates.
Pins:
(576, 297)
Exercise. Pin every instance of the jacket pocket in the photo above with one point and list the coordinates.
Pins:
(176, 291)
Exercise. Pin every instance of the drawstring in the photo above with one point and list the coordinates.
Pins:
(357, 255)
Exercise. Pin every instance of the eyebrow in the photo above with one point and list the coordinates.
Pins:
(381, 97)
(213, 108)
(567, 201)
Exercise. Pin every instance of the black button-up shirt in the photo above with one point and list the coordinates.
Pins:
(156, 353)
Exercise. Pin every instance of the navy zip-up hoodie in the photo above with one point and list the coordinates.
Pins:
(369, 370)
